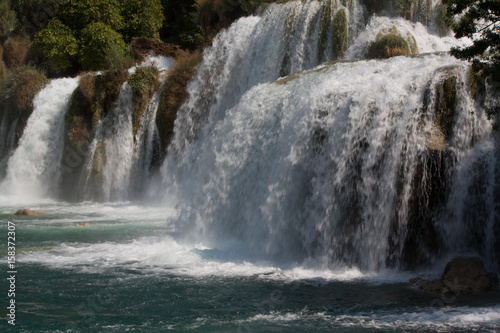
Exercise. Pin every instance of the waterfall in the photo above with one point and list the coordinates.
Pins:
(118, 167)
(342, 164)
(33, 171)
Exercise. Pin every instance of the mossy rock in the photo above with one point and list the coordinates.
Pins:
(340, 32)
(174, 94)
(387, 46)
(446, 94)
(144, 83)
(82, 114)
(326, 18)
(19, 89)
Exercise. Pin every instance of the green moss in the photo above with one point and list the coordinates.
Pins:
(387, 46)
(144, 83)
(340, 32)
(326, 18)
(412, 43)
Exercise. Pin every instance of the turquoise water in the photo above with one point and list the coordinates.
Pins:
(121, 268)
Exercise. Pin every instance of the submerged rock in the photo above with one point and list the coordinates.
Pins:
(28, 212)
(461, 275)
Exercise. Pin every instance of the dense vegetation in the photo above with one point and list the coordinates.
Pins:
(480, 21)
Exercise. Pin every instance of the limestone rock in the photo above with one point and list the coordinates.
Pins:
(140, 47)
(461, 275)
(28, 212)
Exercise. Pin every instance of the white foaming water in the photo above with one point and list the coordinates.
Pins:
(253, 50)
(448, 319)
(33, 171)
(310, 167)
(411, 32)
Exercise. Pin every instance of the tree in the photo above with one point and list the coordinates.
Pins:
(56, 44)
(180, 26)
(143, 18)
(98, 42)
(8, 19)
(78, 14)
(480, 21)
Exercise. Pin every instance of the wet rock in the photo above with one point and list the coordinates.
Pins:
(461, 275)
(140, 47)
(28, 212)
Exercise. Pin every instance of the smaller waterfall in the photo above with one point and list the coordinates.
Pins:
(118, 167)
(33, 171)
(106, 176)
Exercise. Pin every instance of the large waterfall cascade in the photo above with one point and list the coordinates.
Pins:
(294, 144)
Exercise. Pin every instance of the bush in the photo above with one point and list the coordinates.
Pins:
(17, 51)
(174, 94)
(57, 45)
(22, 85)
(98, 41)
(387, 46)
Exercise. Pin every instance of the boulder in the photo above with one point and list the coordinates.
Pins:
(461, 275)
(28, 212)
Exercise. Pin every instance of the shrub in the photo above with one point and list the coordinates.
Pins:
(98, 41)
(387, 46)
(56, 45)
(175, 93)
(17, 50)
(22, 85)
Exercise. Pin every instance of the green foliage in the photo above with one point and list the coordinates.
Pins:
(97, 42)
(77, 14)
(217, 14)
(57, 45)
(21, 86)
(479, 19)
(143, 18)
(142, 79)
(180, 26)
(387, 46)
(8, 20)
